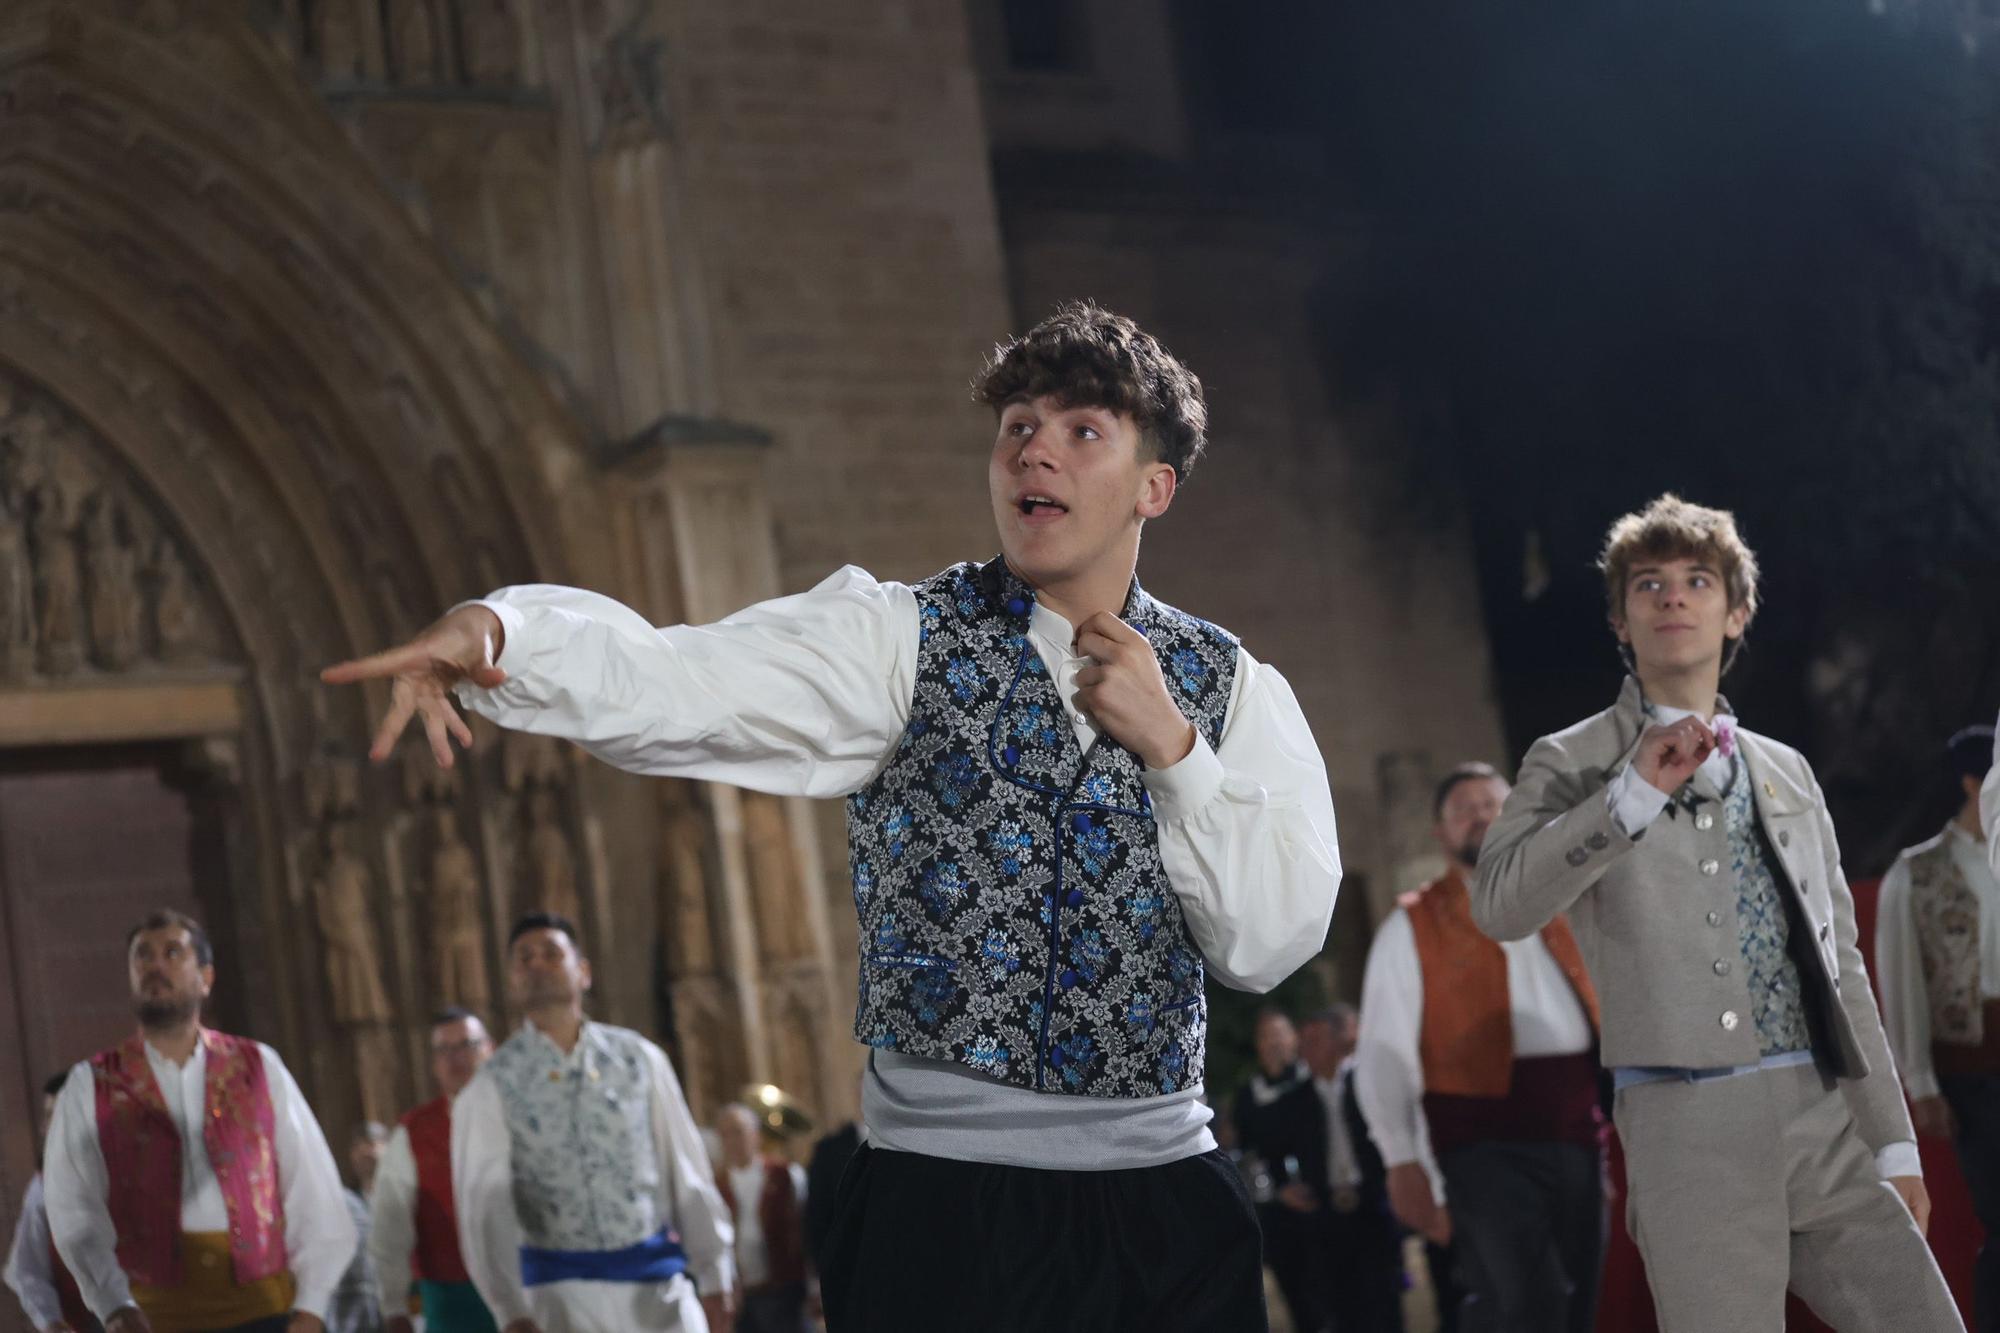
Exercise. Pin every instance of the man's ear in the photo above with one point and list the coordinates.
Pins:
(583, 973)
(1735, 622)
(207, 979)
(1158, 490)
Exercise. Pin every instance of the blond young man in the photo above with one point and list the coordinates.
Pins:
(1766, 1140)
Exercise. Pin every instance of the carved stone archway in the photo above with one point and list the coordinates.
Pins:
(253, 426)
(306, 436)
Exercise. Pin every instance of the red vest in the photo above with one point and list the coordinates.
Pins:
(142, 1156)
(437, 1258)
(778, 1214)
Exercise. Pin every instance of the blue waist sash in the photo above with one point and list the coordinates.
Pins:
(657, 1258)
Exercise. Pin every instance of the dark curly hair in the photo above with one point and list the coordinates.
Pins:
(1085, 356)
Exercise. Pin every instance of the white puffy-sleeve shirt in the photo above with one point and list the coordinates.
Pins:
(808, 695)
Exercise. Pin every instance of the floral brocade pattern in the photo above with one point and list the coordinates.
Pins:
(142, 1156)
(1946, 911)
(587, 1170)
(1763, 927)
(1016, 916)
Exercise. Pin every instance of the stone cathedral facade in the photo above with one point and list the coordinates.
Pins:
(320, 316)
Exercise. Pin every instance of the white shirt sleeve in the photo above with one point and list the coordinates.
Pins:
(482, 1186)
(1388, 1071)
(393, 1237)
(1899, 973)
(1989, 809)
(320, 1240)
(800, 696)
(693, 1201)
(76, 1188)
(28, 1273)
(1634, 802)
(1247, 835)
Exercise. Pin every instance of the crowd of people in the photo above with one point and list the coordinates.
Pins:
(1069, 807)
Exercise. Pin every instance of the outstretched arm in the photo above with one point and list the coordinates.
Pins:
(804, 695)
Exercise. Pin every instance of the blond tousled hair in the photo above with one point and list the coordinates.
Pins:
(1671, 528)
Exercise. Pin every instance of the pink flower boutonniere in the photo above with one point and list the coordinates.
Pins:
(1725, 736)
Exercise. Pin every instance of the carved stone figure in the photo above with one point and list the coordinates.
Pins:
(341, 40)
(492, 38)
(685, 922)
(17, 575)
(176, 613)
(111, 588)
(341, 902)
(774, 879)
(551, 863)
(794, 1053)
(457, 934)
(58, 581)
(414, 30)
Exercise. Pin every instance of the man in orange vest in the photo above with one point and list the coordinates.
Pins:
(416, 1223)
(1477, 1074)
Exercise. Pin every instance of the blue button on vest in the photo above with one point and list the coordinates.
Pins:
(1015, 913)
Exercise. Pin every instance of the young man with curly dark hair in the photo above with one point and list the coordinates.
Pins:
(1766, 1141)
(1067, 804)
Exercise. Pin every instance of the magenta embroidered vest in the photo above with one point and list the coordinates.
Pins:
(142, 1156)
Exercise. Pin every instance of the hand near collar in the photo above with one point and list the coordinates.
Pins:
(1669, 754)
(1125, 694)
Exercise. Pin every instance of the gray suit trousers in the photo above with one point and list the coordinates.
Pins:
(1740, 1187)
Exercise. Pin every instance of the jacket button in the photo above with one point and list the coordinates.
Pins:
(1080, 822)
(1597, 842)
(1056, 1056)
(1710, 867)
(1784, 837)
(1074, 898)
(1068, 979)
(1576, 856)
(1715, 918)
(1704, 821)
(1722, 967)
(1016, 606)
(1011, 755)
(1728, 1020)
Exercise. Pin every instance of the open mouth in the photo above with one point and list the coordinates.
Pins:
(1033, 505)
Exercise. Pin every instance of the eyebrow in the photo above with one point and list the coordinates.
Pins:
(1696, 568)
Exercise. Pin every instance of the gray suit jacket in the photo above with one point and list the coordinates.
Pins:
(1655, 916)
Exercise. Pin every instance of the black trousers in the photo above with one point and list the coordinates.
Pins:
(1364, 1271)
(1527, 1233)
(1975, 1104)
(1295, 1248)
(927, 1243)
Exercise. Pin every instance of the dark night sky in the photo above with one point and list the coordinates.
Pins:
(1747, 252)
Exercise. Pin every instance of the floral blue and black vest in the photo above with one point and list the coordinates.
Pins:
(1015, 913)
(587, 1170)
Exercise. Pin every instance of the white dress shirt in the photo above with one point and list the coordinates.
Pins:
(320, 1239)
(489, 1230)
(753, 1252)
(1899, 963)
(29, 1273)
(1989, 807)
(392, 1240)
(1343, 1163)
(809, 695)
(1548, 1019)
